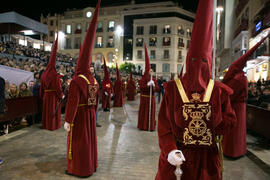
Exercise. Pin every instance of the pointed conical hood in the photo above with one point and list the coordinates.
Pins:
(84, 61)
(50, 71)
(147, 62)
(238, 65)
(106, 73)
(52, 63)
(199, 57)
(117, 73)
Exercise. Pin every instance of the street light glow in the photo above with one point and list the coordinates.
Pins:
(119, 31)
(219, 9)
(28, 32)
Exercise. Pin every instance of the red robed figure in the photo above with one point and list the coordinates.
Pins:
(81, 110)
(107, 88)
(190, 121)
(131, 88)
(51, 93)
(118, 89)
(234, 143)
(143, 117)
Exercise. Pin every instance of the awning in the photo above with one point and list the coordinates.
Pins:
(12, 23)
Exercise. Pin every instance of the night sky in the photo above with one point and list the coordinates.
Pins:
(35, 12)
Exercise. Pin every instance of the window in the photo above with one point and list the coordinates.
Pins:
(99, 42)
(152, 54)
(181, 42)
(166, 41)
(111, 26)
(153, 41)
(139, 54)
(68, 43)
(180, 30)
(153, 29)
(139, 30)
(166, 54)
(68, 29)
(77, 42)
(188, 32)
(180, 57)
(51, 33)
(78, 29)
(166, 67)
(99, 27)
(51, 22)
(153, 67)
(130, 42)
(110, 43)
(167, 29)
(139, 42)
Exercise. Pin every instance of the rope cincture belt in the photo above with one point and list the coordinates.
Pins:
(70, 142)
(49, 90)
(145, 95)
(80, 105)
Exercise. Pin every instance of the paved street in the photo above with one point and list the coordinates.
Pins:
(125, 153)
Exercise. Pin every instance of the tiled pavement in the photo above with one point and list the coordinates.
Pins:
(125, 153)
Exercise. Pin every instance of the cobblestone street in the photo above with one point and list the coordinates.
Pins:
(125, 153)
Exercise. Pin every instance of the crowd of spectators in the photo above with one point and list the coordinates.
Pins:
(259, 93)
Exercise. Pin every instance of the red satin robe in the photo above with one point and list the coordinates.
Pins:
(118, 93)
(234, 143)
(202, 163)
(51, 93)
(106, 99)
(143, 117)
(131, 91)
(84, 139)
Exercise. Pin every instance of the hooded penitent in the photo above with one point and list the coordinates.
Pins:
(118, 90)
(106, 88)
(199, 58)
(234, 142)
(186, 110)
(131, 88)
(81, 110)
(106, 73)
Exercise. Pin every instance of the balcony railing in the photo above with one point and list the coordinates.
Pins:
(110, 45)
(99, 29)
(181, 45)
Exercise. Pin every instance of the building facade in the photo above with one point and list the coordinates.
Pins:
(116, 34)
(242, 24)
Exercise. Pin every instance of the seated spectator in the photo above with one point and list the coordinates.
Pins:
(24, 91)
(13, 92)
(31, 85)
(264, 99)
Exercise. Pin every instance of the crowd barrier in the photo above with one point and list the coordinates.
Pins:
(258, 120)
(20, 107)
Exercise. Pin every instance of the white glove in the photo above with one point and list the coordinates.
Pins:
(176, 157)
(106, 93)
(67, 126)
(111, 95)
(63, 97)
(151, 83)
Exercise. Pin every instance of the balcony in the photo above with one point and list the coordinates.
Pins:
(99, 46)
(110, 29)
(78, 31)
(99, 29)
(139, 44)
(181, 45)
(166, 31)
(110, 45)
